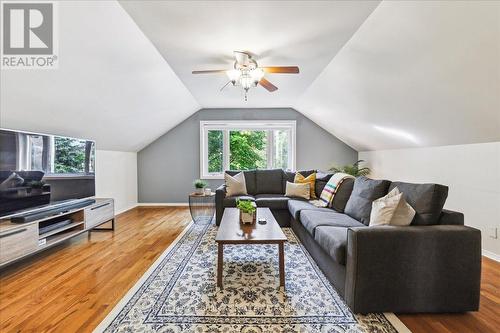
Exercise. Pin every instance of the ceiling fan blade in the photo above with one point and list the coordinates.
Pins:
(281, 69)
(241, 57)
(211, 71)
(268, 85)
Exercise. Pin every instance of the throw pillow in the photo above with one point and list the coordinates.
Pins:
(364, 192)
(391, 209)
(14, 180)
(235, 185)
(298, 190)
(311, 180)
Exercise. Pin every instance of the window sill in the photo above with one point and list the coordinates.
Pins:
(219, 176)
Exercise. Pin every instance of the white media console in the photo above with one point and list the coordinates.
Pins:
(19, 240)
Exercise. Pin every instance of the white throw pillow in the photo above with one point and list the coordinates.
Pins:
(391, 209)
(404, 213)
(299, 190)
(235, 185)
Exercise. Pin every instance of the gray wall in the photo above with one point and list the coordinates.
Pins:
(167, 167)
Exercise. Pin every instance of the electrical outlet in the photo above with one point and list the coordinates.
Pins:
(493, 233)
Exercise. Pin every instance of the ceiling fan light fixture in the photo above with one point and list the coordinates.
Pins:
(246, 81)
(257, 74)
(233, 75)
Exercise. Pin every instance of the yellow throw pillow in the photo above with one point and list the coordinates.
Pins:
(311, 179)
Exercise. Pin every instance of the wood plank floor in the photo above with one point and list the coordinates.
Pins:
(72, 287)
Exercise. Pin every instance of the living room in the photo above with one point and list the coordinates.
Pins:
(250, 166)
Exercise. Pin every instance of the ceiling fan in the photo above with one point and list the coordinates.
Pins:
(247, 73)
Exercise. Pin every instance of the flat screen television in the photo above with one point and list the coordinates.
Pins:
(38, 170)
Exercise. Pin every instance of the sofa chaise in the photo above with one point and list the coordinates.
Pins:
(433, 265)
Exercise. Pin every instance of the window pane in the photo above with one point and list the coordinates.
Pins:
(247, 150)
(280, 139)
(69, 155)
(215, 151)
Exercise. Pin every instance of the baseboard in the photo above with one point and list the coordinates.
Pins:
(163, 204)
(123, 211)
(491, 255)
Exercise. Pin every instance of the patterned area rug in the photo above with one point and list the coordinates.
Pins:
(178, 293)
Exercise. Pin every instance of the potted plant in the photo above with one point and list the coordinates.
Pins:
(353, 169)
(247, 210)
(36, 186)
(199, 186)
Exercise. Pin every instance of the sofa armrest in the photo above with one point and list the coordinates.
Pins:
(413, 269)
(220, 194)
(449, 217)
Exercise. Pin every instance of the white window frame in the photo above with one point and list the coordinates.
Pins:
(256, 125)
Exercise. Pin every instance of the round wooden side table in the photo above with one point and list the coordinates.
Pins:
(202, 207)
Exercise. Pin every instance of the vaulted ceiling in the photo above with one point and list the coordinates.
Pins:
(377, 75)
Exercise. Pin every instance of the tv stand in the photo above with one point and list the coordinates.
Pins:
(20, 240)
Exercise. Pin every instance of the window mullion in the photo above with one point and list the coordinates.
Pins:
(225, 149)
(269, 150)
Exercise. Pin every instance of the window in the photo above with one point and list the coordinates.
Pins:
(54, 155)
(245, 145)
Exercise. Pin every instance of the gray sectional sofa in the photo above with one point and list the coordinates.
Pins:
(433, 265)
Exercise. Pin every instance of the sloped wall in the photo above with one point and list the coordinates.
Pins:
(168, 166)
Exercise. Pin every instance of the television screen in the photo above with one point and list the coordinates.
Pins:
(39, 169)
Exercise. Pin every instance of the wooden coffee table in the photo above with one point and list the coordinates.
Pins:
(231, 231)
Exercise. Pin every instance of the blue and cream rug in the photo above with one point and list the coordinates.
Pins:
(178, 293)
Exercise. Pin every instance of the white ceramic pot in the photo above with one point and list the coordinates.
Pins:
(199, 191)
(246, 217)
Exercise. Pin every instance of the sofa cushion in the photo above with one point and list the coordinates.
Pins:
(343, 194)
(334, 241)
(269, 181)
(311, 219)
(295, 206)
(321, 180)
(249, 179)
(272, 201)
(427, 200)
(364, 192)
(231, 201)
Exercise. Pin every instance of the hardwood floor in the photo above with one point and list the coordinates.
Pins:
(71, 288)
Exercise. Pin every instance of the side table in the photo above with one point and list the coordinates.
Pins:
(202, 207)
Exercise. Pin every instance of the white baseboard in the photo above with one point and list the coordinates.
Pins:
(165, 204)
(491, 255)
(125, 209)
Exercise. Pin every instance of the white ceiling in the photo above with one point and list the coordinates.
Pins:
(415, 74)
(112, 85)
(198, 35)
(389, 75)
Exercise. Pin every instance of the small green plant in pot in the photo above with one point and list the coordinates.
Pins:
(36, 186)
(199, 186)
(247, 210)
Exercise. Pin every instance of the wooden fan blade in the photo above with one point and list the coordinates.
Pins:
(281, 69)
(268, 85)
(211, 71)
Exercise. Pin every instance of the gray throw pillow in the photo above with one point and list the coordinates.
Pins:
(427, 200)
(364, 192)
